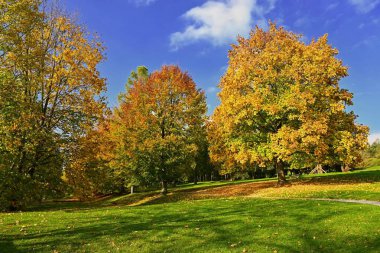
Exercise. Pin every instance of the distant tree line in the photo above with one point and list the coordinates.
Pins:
(281, 110)
(371, 155)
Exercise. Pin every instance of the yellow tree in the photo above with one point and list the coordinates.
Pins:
(50, 94)
(158, 125)
(281, 105)
(88, 170)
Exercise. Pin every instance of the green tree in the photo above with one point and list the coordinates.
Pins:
(371, 156)
(141, 74)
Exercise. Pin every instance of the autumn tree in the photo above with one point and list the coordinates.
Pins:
(281, 105)
(371, 156)
(50, 95)
(158, 125)
(141, 74)
(89, 172)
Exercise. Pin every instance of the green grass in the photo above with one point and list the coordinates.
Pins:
(359, 185)
(177, 223)
(181, 190)
(371, 174)
(219, 225)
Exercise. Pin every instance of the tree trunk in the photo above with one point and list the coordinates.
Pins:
(318, 170)
(122, 187)
(280, 173)
(196, 176)
(164, 185)
(345, 168)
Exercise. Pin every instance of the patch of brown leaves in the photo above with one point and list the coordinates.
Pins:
(233, 190)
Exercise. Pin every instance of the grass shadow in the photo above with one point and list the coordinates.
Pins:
(225, 225)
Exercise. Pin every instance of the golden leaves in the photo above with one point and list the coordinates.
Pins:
(280, 97)
(52, 91)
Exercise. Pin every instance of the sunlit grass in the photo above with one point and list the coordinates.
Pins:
(359, 191)
(218, 225)
(360, 184)
(209, 217)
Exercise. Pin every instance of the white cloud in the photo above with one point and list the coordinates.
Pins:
(220, 22)
(373, 137)
(212, 89)
(143, 2)
(332, 6)
(301, 22)
(370, 41)
(364, 6)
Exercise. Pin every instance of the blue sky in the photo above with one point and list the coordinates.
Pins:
(196, 35)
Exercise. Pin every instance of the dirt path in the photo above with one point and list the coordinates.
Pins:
(367, 202)
(356, 201)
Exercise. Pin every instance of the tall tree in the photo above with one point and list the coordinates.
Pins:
(158, 125)
(281, 105)
(50, 95)
(141, 74)
(89, 172)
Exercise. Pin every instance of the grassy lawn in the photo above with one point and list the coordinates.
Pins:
(360, 185)
(209, 217)
(218, 225)
(359, 191)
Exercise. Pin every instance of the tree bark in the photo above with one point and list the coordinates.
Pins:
(280, 173)
(164, 185)
(345, 168)
(196, 176)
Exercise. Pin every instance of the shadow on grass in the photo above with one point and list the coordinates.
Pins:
(209, 191)
(7, 245)
(145, 198)
(366, 176)
(216, 225)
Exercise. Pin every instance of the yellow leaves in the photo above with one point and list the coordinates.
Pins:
(280, 98)
(62, 24)
(11, 56)
(52, 92)
(242, 157)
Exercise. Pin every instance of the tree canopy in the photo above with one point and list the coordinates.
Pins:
(159, 125)
(50, 95)
(281, 105)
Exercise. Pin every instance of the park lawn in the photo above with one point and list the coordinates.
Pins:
(216, 225)
(359, 191)
(210, 217)
(184, 191)
(358, 185)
